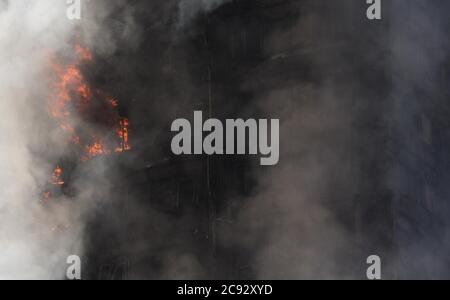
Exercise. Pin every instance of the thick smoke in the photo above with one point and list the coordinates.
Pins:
(29, 31)
(293, 224)
(323, 74)
(299, 221)
(288, 219)
(36, 234)
(367, 138)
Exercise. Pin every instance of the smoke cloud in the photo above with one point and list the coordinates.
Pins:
(322, 71)
(30, 249)
(37, 235)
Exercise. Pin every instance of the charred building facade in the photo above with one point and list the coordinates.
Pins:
(419, 176)
(334, 199)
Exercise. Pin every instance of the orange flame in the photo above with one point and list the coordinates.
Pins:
(96, 149)
(113, 102)
(73, 99)
(56, 177)
(83, 53)
(122, 133)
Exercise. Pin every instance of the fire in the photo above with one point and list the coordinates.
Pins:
(75, 102)
(56, 177)
(83, 53)
(122, 133)
(113, 102)
(80, 110)
(69, 88)
(88, 119)
(96, 149)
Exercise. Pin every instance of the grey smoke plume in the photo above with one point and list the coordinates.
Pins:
(37, 237)
(29, 30)
(294, 223)
(291, 224)
(300, 220)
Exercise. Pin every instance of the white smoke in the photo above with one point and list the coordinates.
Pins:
(29, 246)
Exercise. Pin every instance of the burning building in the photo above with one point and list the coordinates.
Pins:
(213, 217)
(349, 166)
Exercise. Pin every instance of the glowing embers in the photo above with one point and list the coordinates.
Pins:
(88, 117)
(94, 150)
(57, 176)
(113, 102)
(83, 53)
(56, 180)
(122, 133)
